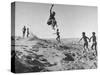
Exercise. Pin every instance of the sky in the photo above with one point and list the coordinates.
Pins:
(72, 20)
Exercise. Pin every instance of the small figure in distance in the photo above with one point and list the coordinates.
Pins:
(94, 42)
(58, 36)
(27, 32)
(52, 20)
(84, 37)
(24, 30)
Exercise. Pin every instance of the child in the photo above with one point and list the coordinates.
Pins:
(94, 42)
(24, 30)
(52, 20)
(27, 32)
(58, 36)
(84, 37)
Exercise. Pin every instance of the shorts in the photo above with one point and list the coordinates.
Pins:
(49, 22)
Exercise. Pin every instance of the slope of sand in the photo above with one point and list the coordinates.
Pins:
(37, 55)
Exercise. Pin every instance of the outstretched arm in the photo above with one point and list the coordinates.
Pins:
(51, 8)
(80, 39)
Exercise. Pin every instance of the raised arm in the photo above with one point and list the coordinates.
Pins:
(51, 8)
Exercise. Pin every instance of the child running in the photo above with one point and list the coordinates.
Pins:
(58, 36)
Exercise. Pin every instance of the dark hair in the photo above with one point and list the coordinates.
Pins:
(93, 32)
(57, 29)
(83, 32)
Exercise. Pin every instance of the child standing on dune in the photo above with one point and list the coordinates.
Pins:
(24, 30)
(94, 42)
(27, 32)
(85, 39)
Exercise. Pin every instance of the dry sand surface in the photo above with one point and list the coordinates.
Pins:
(38, 55)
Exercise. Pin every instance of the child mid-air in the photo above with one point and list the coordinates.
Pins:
(85, 39)
(52, 20)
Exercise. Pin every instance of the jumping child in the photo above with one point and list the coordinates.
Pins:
(52, 20)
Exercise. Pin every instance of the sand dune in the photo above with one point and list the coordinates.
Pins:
(37, 55)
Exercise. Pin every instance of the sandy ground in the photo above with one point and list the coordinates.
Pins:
(37, 55)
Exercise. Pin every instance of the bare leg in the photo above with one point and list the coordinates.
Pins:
(56, 24)
(23, 35)
(59, 40)
(53, 26)
(92, 46)
(84, 48)
(96, 48)
(87, 47)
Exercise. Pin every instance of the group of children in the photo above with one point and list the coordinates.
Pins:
(24, 31)
(86, 39)
(52, 21)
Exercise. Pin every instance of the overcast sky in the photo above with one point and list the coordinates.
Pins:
(72, 20)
